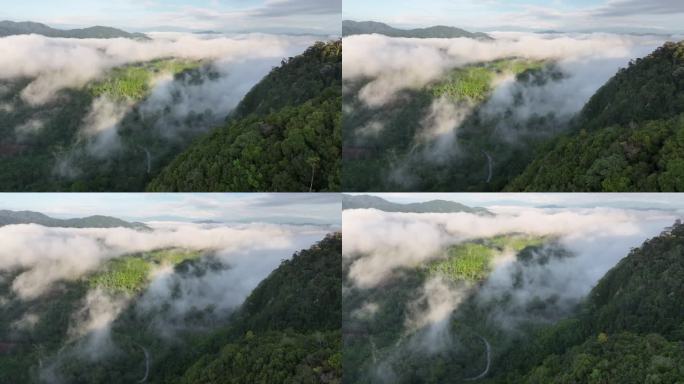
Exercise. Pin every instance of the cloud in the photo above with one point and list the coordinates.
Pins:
(43, 256)
(391, 65)
(616, 8)
(231, 67)
(216, 286)
(92, 323)
(55, 64)
(286, 8)
(377, 244)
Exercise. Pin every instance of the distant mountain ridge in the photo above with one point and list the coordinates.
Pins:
(433, 206)
(11, 28)
(29, 217)
(350, 28)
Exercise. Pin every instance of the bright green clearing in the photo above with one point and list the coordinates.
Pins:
(133, 82)
(130, 273)
(474, 82)
(471, 261)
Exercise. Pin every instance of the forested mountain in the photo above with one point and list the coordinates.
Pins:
(28, 217)
(9, 28)
(284, 135)
(116, 134)
(434, 206)
(630, 329)
(350, 28)
(628, 137)
(287, 330)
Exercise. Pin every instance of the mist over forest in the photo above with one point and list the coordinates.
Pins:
(505, 297)
(111, 114)
(471, 114)
(112, 301)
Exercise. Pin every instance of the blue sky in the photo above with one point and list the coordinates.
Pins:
(565, 15)
(321, 16)
(668, 201)
(317, 208)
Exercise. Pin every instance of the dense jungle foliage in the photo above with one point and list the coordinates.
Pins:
(284, 136)
(629, 136)
(629, 330)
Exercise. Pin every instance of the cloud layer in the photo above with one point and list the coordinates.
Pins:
(46, 255)
(395, 64)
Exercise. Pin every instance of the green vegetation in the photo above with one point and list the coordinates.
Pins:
(284, 136)
(464, 262)
(130, 274)
(630, 329)
(629, 136)
(288, 329)
(471, 260)
(380, 344)
(481, 156)
(57, 157)
(474, 83)
(133, 82)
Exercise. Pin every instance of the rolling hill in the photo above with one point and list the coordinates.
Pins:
(11, 28)
(350, 28)
(434, 206)
(28, 217)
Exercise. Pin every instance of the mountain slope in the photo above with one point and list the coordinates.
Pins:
(287, 330)
(28, 217)
(350, 28)
(630, 330)
(10, 28)
(629, 136)
(434, 206)
(284, 136)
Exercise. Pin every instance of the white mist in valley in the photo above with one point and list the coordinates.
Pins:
(39, 258)
(230, 66)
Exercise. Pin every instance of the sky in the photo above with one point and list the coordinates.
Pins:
(295, 208)
(295, 16)
(664, 201)
(664, 16)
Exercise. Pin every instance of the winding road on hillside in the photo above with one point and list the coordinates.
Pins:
(147, 363)
(489, 165)
(489, 361)
(149, 160)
